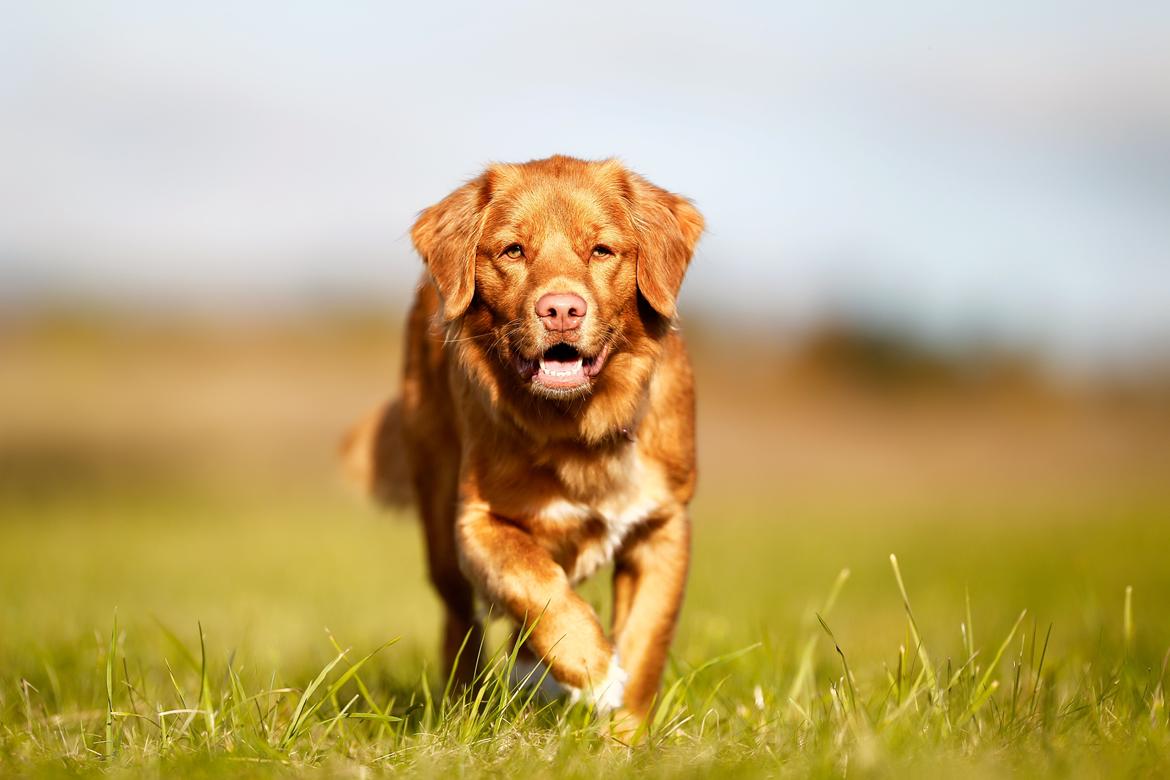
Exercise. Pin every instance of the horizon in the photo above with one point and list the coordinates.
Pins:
(994, 173)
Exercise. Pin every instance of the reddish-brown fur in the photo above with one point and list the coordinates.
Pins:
(524, 490)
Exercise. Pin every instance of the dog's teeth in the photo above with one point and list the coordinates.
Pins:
(576, 369)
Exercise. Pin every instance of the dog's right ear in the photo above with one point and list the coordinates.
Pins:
(447, 235)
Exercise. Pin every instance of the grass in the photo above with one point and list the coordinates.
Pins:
(182, 595)
(176, 631)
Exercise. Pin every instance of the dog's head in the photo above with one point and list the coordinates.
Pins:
(552, 270)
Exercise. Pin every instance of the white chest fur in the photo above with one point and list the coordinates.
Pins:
(626, 505)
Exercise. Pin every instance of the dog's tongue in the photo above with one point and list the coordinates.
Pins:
(561, 365)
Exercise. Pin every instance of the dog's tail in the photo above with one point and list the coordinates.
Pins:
(373, 454)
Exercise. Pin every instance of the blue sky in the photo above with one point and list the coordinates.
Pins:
(992, 168)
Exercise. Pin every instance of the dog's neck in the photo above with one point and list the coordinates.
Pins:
(542, 423)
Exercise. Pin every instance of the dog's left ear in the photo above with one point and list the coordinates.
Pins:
(447, 235)
(668, 228)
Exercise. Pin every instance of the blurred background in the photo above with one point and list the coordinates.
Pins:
(954, 218)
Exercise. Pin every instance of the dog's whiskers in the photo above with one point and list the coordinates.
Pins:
(502, 332)
(460, 339)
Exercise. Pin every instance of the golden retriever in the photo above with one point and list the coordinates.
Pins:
(546, 422)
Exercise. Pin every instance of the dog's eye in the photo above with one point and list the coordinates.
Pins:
(602, 251)
(514, 251)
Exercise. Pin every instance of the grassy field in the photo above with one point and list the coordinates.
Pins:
(178, 599)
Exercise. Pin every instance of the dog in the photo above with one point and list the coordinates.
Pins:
(545, 426)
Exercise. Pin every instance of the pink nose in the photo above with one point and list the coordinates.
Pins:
(561, 311)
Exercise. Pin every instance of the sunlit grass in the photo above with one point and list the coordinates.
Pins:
(279, 631)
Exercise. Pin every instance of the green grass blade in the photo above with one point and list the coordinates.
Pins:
(985, 687)
(109, 748)
(298, 716)
(927, 668)
(205, 686)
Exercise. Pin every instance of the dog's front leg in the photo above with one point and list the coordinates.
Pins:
(650, 574)
(515, 573)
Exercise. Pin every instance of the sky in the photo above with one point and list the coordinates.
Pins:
(993, 170)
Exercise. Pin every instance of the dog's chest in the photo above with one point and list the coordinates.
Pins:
(585, 533)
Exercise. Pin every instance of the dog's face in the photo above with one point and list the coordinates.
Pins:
(552, 270)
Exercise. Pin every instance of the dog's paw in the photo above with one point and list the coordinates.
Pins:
(604, 695)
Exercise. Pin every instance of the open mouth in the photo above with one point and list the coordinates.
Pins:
(562, 367)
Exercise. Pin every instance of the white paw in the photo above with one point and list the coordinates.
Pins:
(605, 695)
